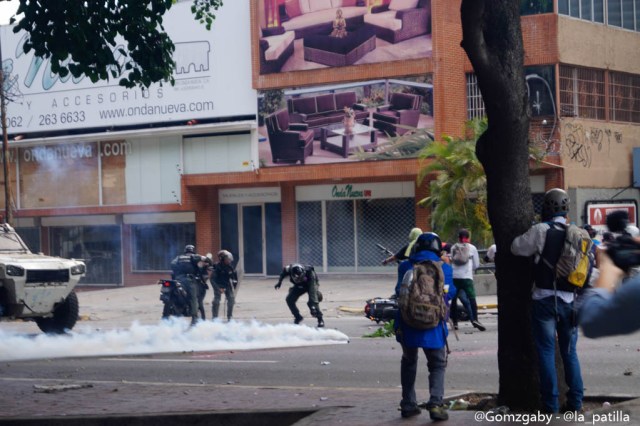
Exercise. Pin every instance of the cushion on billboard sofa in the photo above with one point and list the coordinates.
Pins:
(317, 16)
(321, 110)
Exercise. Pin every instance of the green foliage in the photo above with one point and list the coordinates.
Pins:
(406, 146)
(386, 330)
(375, 98)
(79, 38)
(272, 101)
(458, 194)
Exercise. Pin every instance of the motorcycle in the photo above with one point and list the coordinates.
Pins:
(175, 298)
(381, 309)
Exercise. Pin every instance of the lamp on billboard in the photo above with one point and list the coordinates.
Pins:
(273, 18)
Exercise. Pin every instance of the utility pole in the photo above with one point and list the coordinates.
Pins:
(8, 218)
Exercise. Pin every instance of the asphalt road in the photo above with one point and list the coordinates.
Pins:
(610, 366)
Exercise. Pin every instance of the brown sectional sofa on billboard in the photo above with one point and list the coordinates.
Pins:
(321, 110)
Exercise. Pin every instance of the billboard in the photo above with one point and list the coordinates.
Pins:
(297, 35)
(360, 121)
(597, 213)
(45, 102)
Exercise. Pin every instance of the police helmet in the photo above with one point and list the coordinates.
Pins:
(225, 254)
(556, 203)
(189, 248)
(297, 273)
(429, 241)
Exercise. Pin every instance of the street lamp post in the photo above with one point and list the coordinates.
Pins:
(5, 145)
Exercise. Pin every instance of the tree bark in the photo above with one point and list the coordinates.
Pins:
(492, 39)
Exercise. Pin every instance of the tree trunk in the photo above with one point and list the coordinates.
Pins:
(492, 39)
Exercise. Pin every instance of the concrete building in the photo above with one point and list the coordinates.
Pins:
(125, 178)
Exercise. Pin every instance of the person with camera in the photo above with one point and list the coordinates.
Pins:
(304, 280)
(224, 281)
(552, 308)
(611, 306)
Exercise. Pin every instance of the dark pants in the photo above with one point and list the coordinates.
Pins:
(314, 304)
(192, 287)
(217, 298)
(547, 324)
(467, 294)
(436, 363)
(202, 292)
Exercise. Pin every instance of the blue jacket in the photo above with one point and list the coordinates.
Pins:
(434, 338)
(603, 313)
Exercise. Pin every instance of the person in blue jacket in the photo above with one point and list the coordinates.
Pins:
(432, 341)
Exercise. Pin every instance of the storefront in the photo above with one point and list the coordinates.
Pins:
(339, 225)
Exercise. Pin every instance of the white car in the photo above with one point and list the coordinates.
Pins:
(38, 287)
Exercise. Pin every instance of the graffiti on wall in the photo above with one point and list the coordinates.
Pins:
(581, 143)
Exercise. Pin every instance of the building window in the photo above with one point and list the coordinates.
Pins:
(624, 100)
(99, 246)
(620, 13)
(31, 237)
(628, 18)
(531, 7)
(475, 104)
(582, 92)
(614, 13)
(155, 246)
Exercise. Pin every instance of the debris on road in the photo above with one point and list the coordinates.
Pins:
(59, 388)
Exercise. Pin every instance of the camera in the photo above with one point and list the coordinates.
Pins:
(624, 251)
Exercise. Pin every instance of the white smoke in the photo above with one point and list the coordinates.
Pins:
(172, 335)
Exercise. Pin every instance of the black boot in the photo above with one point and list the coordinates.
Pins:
(474, 315)
(320, 322)
(298, 319)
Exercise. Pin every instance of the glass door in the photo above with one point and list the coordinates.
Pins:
(253, 239)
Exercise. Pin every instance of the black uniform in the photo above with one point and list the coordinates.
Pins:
(185, 269)
(306, 282)
(223, 280)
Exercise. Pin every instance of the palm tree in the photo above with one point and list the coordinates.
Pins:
(458, 194)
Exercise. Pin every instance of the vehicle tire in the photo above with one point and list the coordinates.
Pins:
(65, 316)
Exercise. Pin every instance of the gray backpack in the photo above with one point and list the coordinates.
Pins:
(460, 254)
(421, 299)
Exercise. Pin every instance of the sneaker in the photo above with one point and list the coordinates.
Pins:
(320, 323)
(298, 320)
(478, 325)
(410, 412)
(438, 413)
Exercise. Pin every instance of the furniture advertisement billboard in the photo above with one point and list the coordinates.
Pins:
(360, 121)
(298, 35)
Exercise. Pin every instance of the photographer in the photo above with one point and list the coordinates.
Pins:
(607, 309)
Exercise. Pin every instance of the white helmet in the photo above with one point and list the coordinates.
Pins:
(224, 254)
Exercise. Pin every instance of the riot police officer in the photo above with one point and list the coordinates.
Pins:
(224, 280)
(304, 280)
(186, 269)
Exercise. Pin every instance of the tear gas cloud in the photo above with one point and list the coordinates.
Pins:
(172, 335)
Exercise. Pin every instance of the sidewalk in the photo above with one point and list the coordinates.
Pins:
(193, 404)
